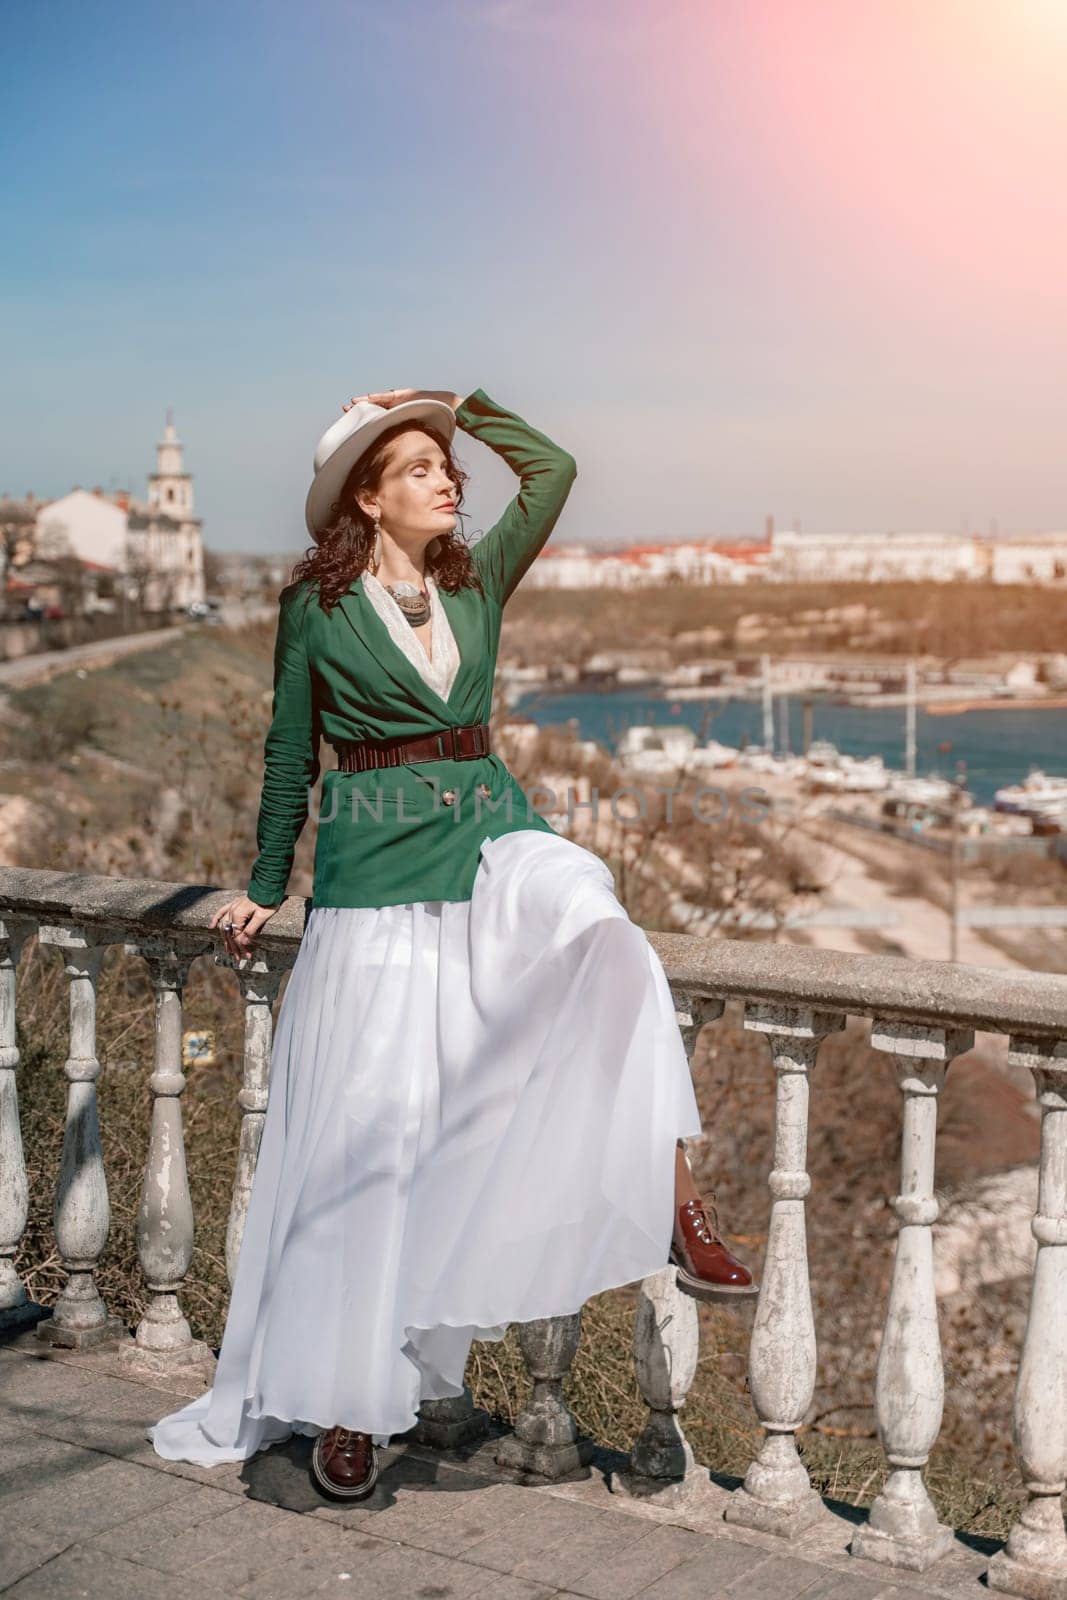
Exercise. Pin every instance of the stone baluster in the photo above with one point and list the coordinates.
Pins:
(777, 1496)
(82, 1210)
(259, 989)
(692, 1011)
(903, 1530)
(546, 1440)
(17, 1310)
(164, 1340)
(1034, 1561)
(666, 1347)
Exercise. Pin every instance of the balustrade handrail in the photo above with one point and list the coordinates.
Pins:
(994, 999)
(950, 993)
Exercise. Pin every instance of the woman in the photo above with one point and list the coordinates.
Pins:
(478, 1089)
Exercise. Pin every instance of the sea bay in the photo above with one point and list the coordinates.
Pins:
(996, 747)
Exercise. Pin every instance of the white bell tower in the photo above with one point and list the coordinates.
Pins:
(170, 487)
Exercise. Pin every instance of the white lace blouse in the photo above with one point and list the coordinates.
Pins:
(440, 672)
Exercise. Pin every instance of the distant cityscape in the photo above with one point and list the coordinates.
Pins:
(788, 556)
(92, 553)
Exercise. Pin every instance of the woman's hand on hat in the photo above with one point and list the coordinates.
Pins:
(398, 397)
(240, 919)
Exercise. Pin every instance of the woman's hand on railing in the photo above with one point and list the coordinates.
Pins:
(247, 918)
(397, 397)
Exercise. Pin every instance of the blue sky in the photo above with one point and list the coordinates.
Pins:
(787, 256)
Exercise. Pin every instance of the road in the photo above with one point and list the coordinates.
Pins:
(45, 664)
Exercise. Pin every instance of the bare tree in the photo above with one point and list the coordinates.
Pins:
(214, 571)
(17, 521)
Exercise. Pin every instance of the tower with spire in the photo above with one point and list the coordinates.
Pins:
(170, 487)
(166, 550)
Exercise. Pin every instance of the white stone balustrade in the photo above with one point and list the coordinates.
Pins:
(666, 1346)
(546, 1439)
(164, 1339)
(923, 1014)
(663, 1468)
(259, 990)
(16, 1307)
(903, 1530)
(82, 1212)
(1034, 1561)
(776, 1496)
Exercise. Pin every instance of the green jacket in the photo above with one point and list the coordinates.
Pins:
(386, 836)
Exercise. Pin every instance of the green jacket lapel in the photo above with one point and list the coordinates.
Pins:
(376, 639)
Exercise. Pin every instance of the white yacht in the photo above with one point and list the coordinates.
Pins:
(657, 752)
(1036, 789)
(854, 774)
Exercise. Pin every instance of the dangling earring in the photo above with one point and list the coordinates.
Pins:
(376, 554)
(434, 546)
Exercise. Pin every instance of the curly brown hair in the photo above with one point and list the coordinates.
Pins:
(345, 547)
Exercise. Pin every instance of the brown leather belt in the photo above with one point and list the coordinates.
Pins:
(449, 744)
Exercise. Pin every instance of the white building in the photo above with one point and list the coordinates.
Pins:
(157, 543)
(581, 567)
(929, 557)
(87, 524)
(1023, 675)
(1033, 558)
(872, 557)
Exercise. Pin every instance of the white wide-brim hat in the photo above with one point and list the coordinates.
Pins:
(350, 437)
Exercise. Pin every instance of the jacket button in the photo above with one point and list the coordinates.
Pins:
(484, 790)
(449, 796)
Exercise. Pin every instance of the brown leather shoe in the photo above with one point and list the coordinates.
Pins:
(345, 1463)
(706, 1269)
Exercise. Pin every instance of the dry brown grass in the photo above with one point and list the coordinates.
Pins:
(949, 620)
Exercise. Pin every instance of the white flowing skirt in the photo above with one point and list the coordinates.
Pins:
(472, 1120)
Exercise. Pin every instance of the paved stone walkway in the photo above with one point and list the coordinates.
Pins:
(88, 1509)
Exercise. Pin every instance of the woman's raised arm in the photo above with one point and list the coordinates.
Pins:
(506, 552)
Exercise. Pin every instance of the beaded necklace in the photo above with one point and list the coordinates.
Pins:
(413, 601)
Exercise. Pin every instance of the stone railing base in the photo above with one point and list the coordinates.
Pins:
(1011, 1577)
(786, 1520)
(916, 1555)
(551, 1461)
(692, 1492)
(110, 1331)
(193, 1357)
(444, 1424)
